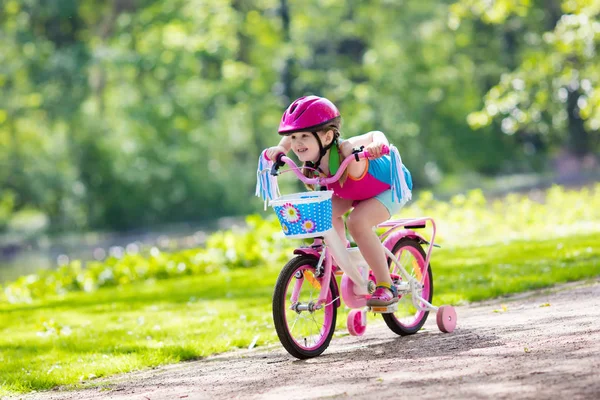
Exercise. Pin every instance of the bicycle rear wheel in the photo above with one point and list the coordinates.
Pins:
(408, 319)
(303, 331)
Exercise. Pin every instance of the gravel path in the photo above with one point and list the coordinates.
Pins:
(541, 345)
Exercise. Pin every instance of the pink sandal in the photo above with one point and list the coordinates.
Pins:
(383, 296)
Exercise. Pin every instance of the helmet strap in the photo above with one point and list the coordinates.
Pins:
(322, 150)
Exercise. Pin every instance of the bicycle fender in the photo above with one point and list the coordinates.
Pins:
(308, 251)
(391, 240)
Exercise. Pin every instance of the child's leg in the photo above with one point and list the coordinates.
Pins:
(339, 207)
(362, 219)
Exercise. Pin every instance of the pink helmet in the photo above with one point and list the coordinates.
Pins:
(307, 113)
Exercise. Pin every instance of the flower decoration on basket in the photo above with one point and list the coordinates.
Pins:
(308, 225)
(290, 213)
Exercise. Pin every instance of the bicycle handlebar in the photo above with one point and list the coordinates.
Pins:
(282, 159)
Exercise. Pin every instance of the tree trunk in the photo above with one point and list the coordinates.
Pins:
(579, 139)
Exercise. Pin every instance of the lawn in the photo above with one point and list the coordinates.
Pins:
(79, 336)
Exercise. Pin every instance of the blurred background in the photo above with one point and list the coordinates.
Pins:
(134, 123)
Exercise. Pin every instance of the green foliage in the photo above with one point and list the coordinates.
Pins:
(7, 204)
(258, 245)
(472, 219)
(552, 90)
(468, 220)
(119, 115)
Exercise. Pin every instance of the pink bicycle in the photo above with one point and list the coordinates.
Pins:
(307, 294)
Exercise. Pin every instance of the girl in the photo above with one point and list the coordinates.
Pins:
(311, 128)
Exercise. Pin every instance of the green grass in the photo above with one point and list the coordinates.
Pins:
(65, 341)
(478, 273)
(75, 338)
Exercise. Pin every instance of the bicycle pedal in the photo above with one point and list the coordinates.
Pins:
(392, 308)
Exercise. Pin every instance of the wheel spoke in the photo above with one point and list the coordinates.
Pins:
(408, 319)
(304, 331)
(307, 329)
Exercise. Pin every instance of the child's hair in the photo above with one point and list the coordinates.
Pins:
(334, 125)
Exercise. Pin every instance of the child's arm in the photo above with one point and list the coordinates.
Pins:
(378, 140)
(372, 141)
(284, 146)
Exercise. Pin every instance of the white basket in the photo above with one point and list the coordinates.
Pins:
(304, 215)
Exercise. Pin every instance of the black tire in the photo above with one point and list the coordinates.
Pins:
(393, 320)
(281, 310)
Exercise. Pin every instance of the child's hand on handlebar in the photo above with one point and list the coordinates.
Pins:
(272, 152)
(376, 149)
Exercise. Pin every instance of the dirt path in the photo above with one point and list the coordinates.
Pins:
(539, 345)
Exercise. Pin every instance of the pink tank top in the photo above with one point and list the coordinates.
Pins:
(365, 187)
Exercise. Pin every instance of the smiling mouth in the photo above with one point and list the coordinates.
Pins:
(302, 150)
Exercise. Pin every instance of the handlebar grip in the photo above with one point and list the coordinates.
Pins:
(278, 164)
(385, 150)
(266, 157)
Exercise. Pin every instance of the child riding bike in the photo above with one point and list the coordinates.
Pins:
(373, 189)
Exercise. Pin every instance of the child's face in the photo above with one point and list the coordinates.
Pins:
(305, 146)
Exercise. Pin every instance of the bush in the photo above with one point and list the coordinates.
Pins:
(465, 220)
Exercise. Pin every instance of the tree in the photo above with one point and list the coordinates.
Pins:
(550, 97)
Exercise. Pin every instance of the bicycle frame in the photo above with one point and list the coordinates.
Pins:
(335, 253)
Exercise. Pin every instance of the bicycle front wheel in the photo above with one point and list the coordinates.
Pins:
(303, 330)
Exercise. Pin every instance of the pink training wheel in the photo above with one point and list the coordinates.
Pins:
(446, 319)
(355, 324)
